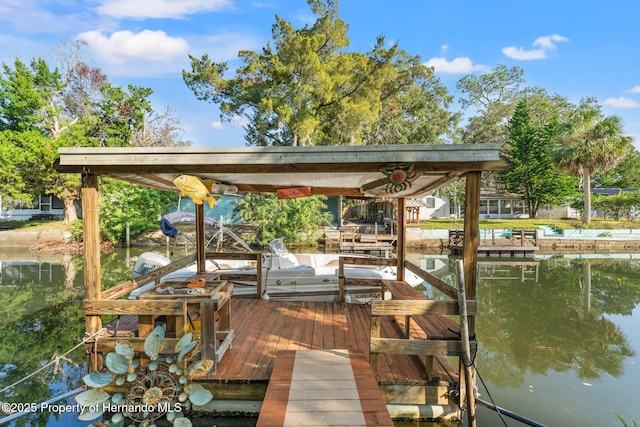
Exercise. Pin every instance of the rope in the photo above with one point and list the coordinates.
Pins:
(54, 360)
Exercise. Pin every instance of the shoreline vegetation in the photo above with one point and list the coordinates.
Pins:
(49, 237)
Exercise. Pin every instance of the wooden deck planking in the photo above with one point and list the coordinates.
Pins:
(326, 387)
(264, 327)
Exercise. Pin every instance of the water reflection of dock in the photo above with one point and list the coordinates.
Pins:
(495, 270)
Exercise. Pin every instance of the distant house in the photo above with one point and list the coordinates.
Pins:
(44, 207)
(498, 205)
(612, 191)
(493, 204)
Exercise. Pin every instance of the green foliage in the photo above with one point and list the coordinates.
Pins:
(42, 109)
(118, 115)
(528, 223)
(618, 206)
(27, 94)
(589, 141)
(141, 207)
(12, 158)
(624, 175)
(306, 89)
(294, 220)
(532, 172)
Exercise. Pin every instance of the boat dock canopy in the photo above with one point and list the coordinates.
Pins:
(397, 171)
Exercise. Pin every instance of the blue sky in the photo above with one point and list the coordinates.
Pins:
(576, 48)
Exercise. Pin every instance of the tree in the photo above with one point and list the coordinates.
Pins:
(492, 96)
(532, 172)
(42, 109)
(587, 142)
(294, 220)
(306, 89)
(122, 203)
(624, 175)
(28, 95)
(12, 184)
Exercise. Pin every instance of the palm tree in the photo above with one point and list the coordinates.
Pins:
(588, 142)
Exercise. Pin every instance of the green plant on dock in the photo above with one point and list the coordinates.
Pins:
(160, 388)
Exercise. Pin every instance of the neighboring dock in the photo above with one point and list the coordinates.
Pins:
(517, 242)
(361, 238)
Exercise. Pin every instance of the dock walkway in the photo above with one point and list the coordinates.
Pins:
(321, 388)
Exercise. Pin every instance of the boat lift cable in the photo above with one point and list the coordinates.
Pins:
(469, 361)
(502, 411)
(54, 360)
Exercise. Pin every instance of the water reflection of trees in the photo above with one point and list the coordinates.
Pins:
(545, 325)
(29, 340)
(43, 318)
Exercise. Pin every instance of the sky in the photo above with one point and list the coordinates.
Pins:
(575, 48)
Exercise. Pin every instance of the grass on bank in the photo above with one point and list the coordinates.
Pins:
(432, 224)
(528, 223)
(36, 225)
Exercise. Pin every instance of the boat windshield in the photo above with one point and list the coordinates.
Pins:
(277, 247)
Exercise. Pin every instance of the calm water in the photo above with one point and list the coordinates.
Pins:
(558, 337)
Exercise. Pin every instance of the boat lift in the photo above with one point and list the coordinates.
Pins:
(167, 225)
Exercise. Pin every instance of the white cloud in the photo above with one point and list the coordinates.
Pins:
(123, 46)
(544, 44)
(141, 9)
(621, 102)
(521, 54)
(460, 65)
(635, 89)
(236, 122)
(224, 47)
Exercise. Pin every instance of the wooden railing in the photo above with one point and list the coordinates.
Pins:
(111, 304)
(364, 285)
(443, 334)
(253, 257)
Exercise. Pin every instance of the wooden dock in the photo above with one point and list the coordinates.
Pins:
(323, 387)
(516, 243)
(264, 328)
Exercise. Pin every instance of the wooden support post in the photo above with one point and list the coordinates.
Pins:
(471, 240)
(341, 279)
(402, 235)
(208, 330)
(373, 356)
(467, 362)
(470, 247)
(201, 259)
(259, 276)
(91, 248)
